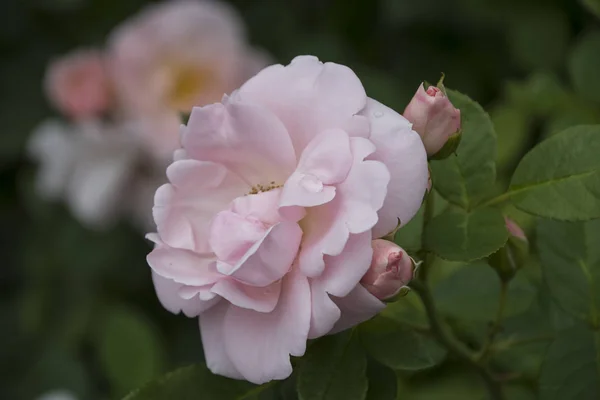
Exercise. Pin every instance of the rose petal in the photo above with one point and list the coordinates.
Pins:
(261, 299)
(401, 150)
(358, 306)
(212, 331)
(310, 97)
(326, 160)
(260, 345)
(270, 258)
(247, 138)
(183, 266)
(354, 210)
(343, 272)
(324, 313)
(183, 209)
(167, 292)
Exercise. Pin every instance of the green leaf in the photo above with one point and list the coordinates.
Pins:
(560, 177)
(593, 6)
(383, 383)
(192, 383)
(334, 368)
(583, 66)
(130, 350)
(398, 346)
(459, 235)
(571, 369)
(570, 255)
(472, 294)
(466, 178)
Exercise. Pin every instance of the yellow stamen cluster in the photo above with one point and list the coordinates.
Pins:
(264, 188)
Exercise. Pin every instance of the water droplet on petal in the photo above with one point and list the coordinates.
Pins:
(311, 183)
(378, 114)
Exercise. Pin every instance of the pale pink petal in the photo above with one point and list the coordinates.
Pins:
(341, 275)
(247, 138)
(324, 313)
(264, 206)
(324, 232)
(259, 344)
(310, 97)
(270, 258)
(365, 189)
(358, 306)
(213, 334)
(326, 160)
(183, 266)
(232, 235)
(354, 210)
(401, 150)
(343, 272)
(168, 291)
(183, 209)
(261, 299)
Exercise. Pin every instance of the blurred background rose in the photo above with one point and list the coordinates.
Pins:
(78, 309)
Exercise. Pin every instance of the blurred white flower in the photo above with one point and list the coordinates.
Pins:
(90, 165)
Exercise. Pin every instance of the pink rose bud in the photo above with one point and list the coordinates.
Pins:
(514, 230)
(78, 85)
(391, 270)
(433, 116)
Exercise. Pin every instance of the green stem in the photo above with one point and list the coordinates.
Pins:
(440, 330)
(496, 325)
(498, 199)
(510, 343)
(454, 346)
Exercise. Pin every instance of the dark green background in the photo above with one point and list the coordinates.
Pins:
(77, 308)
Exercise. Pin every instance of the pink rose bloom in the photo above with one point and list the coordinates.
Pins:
(265, 228)
(176, 55)
(78, 85)
(433, 116)
(391, 270)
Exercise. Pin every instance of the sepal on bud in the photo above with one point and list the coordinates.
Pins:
(449, 147)
(509, 259)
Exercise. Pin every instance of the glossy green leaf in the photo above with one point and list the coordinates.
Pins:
(560, 178)
(459, 235)
(192, 383)
(383, 383)
(583, 66)
(570, 255)
(334, 368)
(129, 349)
(472, 294)
(398, 346)
(467, 177)
(571, 369)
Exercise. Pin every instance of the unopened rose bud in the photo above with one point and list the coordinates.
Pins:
(391, 270)
(434, 117)
(514, 230)
(510, 258)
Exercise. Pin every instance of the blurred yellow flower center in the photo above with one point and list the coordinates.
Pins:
(187, 82)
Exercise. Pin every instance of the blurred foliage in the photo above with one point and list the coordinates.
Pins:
(78, 308)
